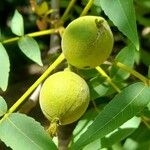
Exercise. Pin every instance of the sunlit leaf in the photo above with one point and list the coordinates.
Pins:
(17, 25)
(23, 133)
(125, 56)
(130, 145)
(4, 68)
(99, 88)
(139, 140)
(122, 107)
(115, 136)
(84, 123)
(30, 48)
(121, 133)
(3, 106)
(96, 145)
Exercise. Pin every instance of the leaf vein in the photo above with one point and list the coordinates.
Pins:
(115, 115)
(19, 130)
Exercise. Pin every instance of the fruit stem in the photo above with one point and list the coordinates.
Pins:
(87, 7)
(103, 73)
(64, 16)
(133, 72)
(34, 34)
(31, 89)
(52, 130)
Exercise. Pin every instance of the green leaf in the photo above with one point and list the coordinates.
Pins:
(122, 14)
(141, 135)
(17, 25)
(30, 48)
(99, 88)
(96, 145)
(148, 106)
(125, 56)
(115, 136)
(143, 142)
(23, 133)
(4, 68)
(143, 20)
(97, 3)
(145, 57)
(130, 145)
(3, 106)
(143, 3)
(140, 139)
(121, 133)
(85, 73)
(145, 113)
(123, 107)
(84, 123)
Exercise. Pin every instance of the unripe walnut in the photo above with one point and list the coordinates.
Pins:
(87, 42)
(64, 97)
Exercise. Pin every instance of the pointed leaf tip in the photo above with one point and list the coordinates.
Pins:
(17, 24)
(31, 49)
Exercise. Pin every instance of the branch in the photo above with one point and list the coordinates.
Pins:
(31, 102)
(55, 38)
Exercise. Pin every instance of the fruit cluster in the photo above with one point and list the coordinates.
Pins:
(86, 43)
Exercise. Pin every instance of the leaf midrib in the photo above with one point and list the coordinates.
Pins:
(19, 130)
(126, 17)
(115, 115)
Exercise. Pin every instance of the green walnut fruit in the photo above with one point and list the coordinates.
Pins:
(64, 97)
(87, 42)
